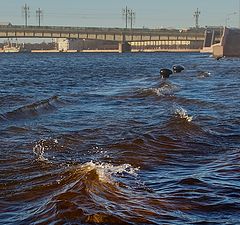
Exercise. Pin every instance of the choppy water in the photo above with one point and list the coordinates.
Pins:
(102, 139)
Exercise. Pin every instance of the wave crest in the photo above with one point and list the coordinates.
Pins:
(32, 110)
(165, 89)
(105, 171)
(183, 114)
(41, 146)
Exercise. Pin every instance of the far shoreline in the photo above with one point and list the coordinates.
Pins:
(112, 51)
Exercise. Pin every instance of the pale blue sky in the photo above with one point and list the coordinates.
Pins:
(107, 13)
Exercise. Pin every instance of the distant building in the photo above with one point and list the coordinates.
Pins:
(66, 44)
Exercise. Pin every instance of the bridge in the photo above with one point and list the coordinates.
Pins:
(125, 37)
(229, 45)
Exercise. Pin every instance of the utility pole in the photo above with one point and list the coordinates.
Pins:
(196, 16)
(131, 17)
(125, 13)
(39, 15)
(26, 13)
(239, 14)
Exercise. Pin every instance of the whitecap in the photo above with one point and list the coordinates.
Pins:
(39, 150)
(183, 114)
(106, 171)
(165, 88)
(41, 146)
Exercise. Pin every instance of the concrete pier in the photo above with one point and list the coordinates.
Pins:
(212, 37)
(229, 45)
(124, 47)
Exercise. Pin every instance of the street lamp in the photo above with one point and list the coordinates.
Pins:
(83, 44)
(228, 18)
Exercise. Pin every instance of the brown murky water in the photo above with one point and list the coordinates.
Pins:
(102, 139)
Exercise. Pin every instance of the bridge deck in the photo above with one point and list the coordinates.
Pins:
(94, 33)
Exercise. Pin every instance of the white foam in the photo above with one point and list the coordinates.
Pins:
(105, 171)
(42, 145)
(157, 91)
(183, 114)
(39, 150)
(165, 89)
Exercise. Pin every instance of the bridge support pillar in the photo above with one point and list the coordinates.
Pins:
(229, 45)
(124, 47)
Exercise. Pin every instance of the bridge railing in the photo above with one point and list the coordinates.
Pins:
(99, 29)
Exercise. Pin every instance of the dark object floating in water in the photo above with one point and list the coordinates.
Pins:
(219, 57)
(178, 69)
(165, 73)
(203, 74)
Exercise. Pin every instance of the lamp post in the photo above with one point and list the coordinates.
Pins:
(83, 44)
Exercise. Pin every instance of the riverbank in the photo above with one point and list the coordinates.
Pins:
(114, 51)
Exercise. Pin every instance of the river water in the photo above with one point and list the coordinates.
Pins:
(102, 139)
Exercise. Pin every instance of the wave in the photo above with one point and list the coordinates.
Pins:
(41, 146)
(182, 114)
(165, 89)
(197, 103)
(203, 74)
(104, 192)
(32, 110)
(15, 130)
(92, 192)
(11, 99)
(191, 181)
